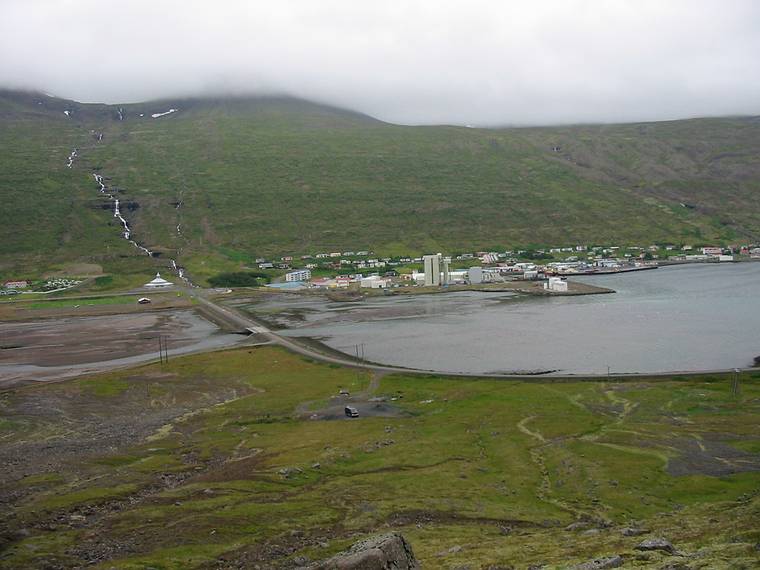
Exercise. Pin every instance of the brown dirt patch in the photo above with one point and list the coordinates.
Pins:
(710, 457)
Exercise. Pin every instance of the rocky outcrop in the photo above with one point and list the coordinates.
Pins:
(386, 552)
(600, 563)
(633, 531)
(657, 544)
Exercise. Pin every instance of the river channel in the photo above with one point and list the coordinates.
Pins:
(682, 318)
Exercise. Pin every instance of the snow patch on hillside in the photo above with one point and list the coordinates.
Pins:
(157, 115)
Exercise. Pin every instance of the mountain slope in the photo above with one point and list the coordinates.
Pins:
(267, 176)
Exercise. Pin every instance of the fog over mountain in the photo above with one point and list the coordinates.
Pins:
(475, 62)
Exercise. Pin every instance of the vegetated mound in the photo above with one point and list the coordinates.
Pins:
(220, 181)
(238, 279)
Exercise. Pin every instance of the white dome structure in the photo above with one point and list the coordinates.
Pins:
(158, 282)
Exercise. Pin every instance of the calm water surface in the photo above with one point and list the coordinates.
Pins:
(696, 317)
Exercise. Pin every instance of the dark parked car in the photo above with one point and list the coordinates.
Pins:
(352, 412)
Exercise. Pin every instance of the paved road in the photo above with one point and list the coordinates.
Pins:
(241, 322)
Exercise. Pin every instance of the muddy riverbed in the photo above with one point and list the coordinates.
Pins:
(52, 349)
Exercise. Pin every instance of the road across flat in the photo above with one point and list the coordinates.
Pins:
(15, 371)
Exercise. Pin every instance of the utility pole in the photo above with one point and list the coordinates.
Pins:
(163, 350)
(735, 383)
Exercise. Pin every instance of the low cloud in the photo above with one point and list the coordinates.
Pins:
(475, 62)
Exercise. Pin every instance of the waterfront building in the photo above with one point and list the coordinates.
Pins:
(556, 284)
(432, 265)
(475, 275)
(374, 282)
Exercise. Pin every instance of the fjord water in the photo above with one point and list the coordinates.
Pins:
(682, 318)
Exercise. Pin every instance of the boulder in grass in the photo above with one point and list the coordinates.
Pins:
(633, 531)
(386, 552)
(656, 544)
(601, 563)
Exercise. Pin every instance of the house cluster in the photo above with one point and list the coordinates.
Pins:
(58, 284)
(336, 260)
(362, 269)
(15, 286)
(713, 253)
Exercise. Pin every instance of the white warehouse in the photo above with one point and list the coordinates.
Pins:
(556, 284)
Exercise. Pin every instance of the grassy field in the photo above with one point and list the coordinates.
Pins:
(216, 458)
(261, 177)
(84, 302)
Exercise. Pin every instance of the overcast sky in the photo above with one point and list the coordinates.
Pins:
(468, 62)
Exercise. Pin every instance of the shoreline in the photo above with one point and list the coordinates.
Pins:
(744, 361)
(533, 288)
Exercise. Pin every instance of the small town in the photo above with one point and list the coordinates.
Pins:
(365, 270)
(362, 269)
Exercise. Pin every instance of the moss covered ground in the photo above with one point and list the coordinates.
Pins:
(215, 460)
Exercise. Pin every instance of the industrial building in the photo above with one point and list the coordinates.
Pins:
(432, 265)
(556, 284)
(437, 270)
(375, 282)
(446, 272)
(475, 275)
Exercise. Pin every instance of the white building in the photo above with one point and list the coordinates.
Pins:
(475, 275)
(374, 282)
(610, 263)
(298, 275)
(556, 284)
(158, 282)
(446, 271)
(432, 264)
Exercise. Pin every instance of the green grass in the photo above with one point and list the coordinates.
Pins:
(263, 177)
(42, 478)
(104, 387)
(462, 463)
(85, 496)
(84, 302)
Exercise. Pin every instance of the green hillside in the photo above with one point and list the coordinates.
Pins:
(275, 176)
